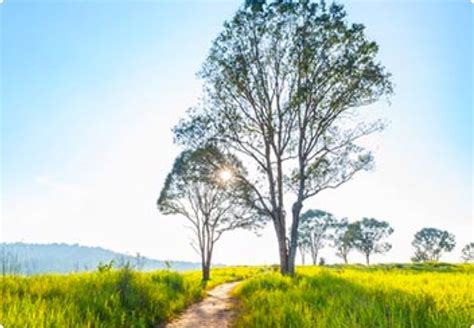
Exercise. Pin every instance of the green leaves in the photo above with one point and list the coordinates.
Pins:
(197, 171)
(314, 231)
(369, 234)
(430, 243)
(284, 84)
(467, 253)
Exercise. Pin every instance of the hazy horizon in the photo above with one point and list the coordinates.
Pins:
(91, 90)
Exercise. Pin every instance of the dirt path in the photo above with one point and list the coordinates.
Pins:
(215, 311)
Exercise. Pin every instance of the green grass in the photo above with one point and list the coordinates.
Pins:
(388, 296)
(382, 296)
(117, 298)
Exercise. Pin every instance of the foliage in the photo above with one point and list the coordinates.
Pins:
(369, 234)
(115, 298)
(285, 82)
(196, 189)
(430, 243)
(359, 297)
(467, 253)
(344, 238)
(314, 231)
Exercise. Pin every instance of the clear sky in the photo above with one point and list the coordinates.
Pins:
(90, 91)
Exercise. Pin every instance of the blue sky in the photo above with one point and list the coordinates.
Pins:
(90, 91)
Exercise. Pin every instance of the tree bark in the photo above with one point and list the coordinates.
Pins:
(206, 265)
(315, 257)
(206, 272)
(296, 209)
(367, 260)
(344, 257)
(282, 248)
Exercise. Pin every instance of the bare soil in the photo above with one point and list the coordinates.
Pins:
(216, 310)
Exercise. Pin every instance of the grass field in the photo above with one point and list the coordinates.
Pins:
(122, 298)
(395, 296)
(388, 296)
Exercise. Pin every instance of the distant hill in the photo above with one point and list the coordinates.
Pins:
(23, 258)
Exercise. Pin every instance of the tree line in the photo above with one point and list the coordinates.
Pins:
(320, 229)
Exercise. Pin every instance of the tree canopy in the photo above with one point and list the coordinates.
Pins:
(344, 238)
(368, 237)
(201, 187)
(467, 253)
(314, 232)
(284, 83)
(430, 243)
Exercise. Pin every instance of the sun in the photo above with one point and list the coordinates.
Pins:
(225, 175)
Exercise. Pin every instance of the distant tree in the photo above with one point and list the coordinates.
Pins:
(322, 261)
(430, 243)
(343, 238)
(201, 187)
(314, 232)
(303, 249)
(369, 234)
(284, 83)
(467, 253)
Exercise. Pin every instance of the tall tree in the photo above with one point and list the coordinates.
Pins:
(467, 253)
(369, 234)
(202, 188)
(284, 82)
(343, 238)
(314, 231)
(430, 243)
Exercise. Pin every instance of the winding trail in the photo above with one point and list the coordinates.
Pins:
(215, 311)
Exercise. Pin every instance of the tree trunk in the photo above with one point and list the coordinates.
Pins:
(344, 257)
(282, 243)
(283, 257)
(297, 206)
(283, 252)
(206, 255)
(302, 257)
(206, 272)
(206, 266)
(315, 257)
(367, 260)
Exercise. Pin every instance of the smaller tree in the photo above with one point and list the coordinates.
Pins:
(202, 188)
(467, 253)
(314, 231)
(430, 243)
(322, 261)
(369, 234)
(343, 239)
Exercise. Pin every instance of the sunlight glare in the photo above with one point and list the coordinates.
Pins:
(225, 175)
